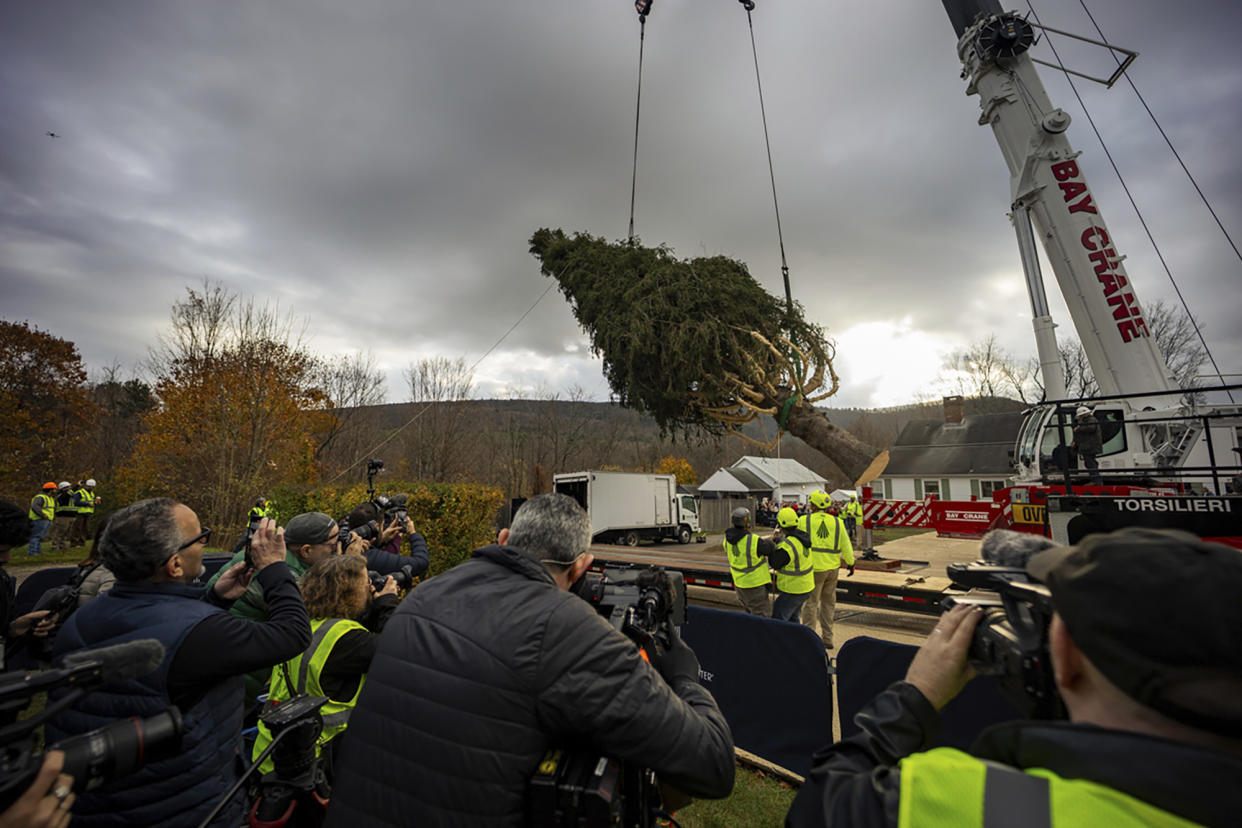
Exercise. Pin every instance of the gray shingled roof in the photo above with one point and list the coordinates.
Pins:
(979, 446)
(750, 480)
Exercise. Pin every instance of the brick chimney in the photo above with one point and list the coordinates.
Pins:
(954, 410)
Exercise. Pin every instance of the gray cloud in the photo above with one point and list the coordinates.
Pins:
(377, 167)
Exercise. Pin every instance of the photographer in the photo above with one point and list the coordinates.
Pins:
(1144, 648)
(155, 549)
(339, 598)
(309, 538)
(483, 668)
(384, 554)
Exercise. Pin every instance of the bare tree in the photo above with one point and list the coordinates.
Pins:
(984, 370)
(440, 450)
(350, 383)
(199, 327)
(1179, 344)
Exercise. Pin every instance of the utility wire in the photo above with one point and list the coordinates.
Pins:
(1160, 255)
(750, 6)
(430, 403)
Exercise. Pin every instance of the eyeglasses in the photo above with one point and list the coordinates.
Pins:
(203, 538)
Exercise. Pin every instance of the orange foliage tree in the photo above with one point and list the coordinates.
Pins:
(47, 409)
(239, 411)
(679, 466)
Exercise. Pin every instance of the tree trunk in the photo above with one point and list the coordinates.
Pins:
(810, 424)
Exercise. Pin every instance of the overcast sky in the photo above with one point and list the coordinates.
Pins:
(377, 167)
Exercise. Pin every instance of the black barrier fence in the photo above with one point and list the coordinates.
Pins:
(866, 666)
(770, 679)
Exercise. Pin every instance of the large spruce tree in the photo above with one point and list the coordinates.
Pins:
(697, 343)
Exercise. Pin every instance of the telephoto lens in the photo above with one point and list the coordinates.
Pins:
(120, 748)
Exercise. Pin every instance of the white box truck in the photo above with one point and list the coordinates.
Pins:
(626, 507)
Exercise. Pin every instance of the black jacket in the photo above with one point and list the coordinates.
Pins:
(856, 781)
(484, 667)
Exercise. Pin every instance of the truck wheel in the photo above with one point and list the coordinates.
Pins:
(630, 538)
(683, 534)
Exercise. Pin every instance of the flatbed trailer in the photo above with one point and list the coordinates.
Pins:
(886, 590)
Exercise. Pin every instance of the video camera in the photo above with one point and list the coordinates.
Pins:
(1011, 641)
(585, 787)
(100, 756)
(639, 601)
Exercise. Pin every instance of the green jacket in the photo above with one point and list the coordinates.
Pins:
(251, 606)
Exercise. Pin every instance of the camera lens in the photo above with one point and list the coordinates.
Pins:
(120, 748)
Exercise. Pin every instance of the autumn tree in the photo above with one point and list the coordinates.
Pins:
(699, 344)
(239, 409)
(47, 408)
(678, 466)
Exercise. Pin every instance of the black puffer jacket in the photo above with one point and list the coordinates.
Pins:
(478, 672)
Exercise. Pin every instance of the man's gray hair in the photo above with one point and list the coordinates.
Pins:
(551, 528)
(140, 538)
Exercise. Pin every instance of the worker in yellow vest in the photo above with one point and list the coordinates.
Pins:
(795, 575)
(66, 513)
(339, 597)
(853, 516)
(1154, 736)
(42, 513)
(748, 563)
(830, 547)
(85, 500)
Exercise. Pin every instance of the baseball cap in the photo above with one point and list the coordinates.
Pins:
(1156, 611)
(308, 527)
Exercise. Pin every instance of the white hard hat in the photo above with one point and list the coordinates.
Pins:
(64, 484)
(90, 484)
(1082, 411)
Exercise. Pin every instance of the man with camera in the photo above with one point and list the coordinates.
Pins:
(155, 549)
(1144, 650)
(309, 538)
(386, 530)
(483, 668)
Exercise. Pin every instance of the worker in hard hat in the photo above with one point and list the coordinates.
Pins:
(1087, 442)
(853, 516)
(42, 513)
(795, 574)
(62, 526)
(748, 563)
(86, 500)
(830, 543)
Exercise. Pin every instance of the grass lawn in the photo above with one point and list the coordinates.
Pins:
(757, 800)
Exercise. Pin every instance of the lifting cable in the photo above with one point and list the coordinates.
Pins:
(1160, 255)
(643, 7)
(749, 5)
(783, 417)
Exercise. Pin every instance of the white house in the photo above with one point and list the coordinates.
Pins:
(952, 460)
(782, 480)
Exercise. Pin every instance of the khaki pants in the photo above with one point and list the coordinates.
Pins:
(755, 600)
(821, 608)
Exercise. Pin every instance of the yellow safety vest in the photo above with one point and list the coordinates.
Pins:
(748, 569)
(829, 541)
(42, 507)
(798, 575)
(949, 788)
(854, 510)
(86, 497)
(304, 670)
